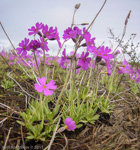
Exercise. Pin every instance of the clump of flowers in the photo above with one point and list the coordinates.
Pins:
(76, 99)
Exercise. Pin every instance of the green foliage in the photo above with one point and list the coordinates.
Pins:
(134, 87)
(103, 104)
(34, 118)
(106, 81)
(77, 106)
(7, 84)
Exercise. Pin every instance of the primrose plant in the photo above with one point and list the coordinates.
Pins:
(67, 86)
(7, 84)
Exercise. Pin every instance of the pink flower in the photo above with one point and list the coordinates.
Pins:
(115, 54)
(79, 31)
(69, 33)
(108, 67)
(35, 30)
(43, 45)
(103, 52)
(70, 124)
(56, 37)
(23, 47)
(63, 59)
(125, 68)
(46, 88)
(89, 42)
(34, 45)
(84, 61)
(48, 32)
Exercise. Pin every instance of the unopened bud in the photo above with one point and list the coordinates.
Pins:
(74, 40)
(83, 24)
(61, 129)
(52, 39)
(102, 63)
(77, 6)
(69, 57)
(84, 45)
(78, 66)
(98, 59)
(128, 16)
(40, 34)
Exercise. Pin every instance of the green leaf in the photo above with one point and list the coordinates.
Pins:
(21, 123)
(55, 110)
(30, 137)
(79, 126)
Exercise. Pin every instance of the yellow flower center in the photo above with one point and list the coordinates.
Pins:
(34, 46)
(84, 59)
(47, 33)
(24, 47)
(66, 127)
(71, 35)
(89, 43)
(44, 86)
(36, 30)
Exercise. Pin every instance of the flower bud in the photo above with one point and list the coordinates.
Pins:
(52, 39)
(40, 34)
(98, 59)
(78, 66)
(61, 129)
(84, 45)
(83, 24)
(102, 63)
(77, 6)
(74, 40)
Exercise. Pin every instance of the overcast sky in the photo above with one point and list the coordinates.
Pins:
(17, 16)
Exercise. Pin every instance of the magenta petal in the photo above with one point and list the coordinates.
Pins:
(87, 53)
(38, 87)
(72, 127)
(48, 92)
(70, 123)
(51, 85)
(42, 80)
(68, 120)
(19, 51)
(31, 33)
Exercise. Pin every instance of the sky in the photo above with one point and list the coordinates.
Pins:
(17, 16)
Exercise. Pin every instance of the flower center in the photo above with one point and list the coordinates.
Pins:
(24, 47)
(44, 86)
(84, 59)
(99, 53)
(36, 29)
(71, 35)
(34, 46)
(47, 33)
(66, 127)
(89, 43)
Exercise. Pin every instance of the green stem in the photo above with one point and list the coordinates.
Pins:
(113, 75)
(37, 64)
